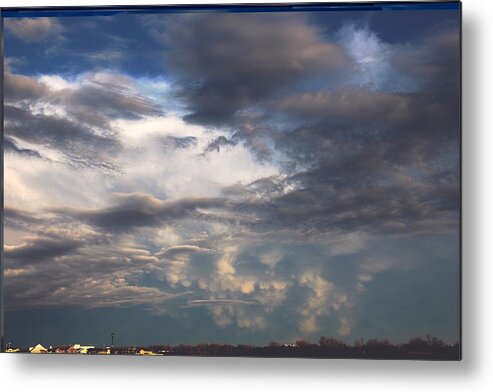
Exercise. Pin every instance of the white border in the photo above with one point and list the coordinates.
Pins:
(474, 373)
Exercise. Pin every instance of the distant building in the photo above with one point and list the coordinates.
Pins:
(144, 352)
(38, 349)
(78, 349)
(61, 349)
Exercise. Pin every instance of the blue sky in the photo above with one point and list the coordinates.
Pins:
(232, 177)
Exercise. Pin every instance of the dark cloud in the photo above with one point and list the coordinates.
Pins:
(348, 106)
(17, 214)
(218, 143)
(379, 209)
(81, 144)
(79, 282)
(434, 62)
(179, 142)
(216, 302)
(374, 160)
(179, 250)
(139, 210)
(266, 188)
(9, 145)
(20, 87)
(404, 127)
(226, 63)
(40, 249)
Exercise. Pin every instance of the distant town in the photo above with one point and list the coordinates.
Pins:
(327, 347)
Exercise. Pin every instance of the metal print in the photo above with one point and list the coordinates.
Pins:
(279, 180)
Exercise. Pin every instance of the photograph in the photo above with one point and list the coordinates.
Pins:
(257, 180)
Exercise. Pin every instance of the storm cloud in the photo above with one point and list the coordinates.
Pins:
(226, 63)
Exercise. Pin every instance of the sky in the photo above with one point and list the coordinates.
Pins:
(231, 177)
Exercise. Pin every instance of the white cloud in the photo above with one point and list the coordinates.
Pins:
(179, 172)
(373, 60)
(271, 258)
(56, 82)
(42, 184)
(246, 318)
(344, 326)
(323, 299)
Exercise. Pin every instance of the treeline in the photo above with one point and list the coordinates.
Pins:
(327, 347)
